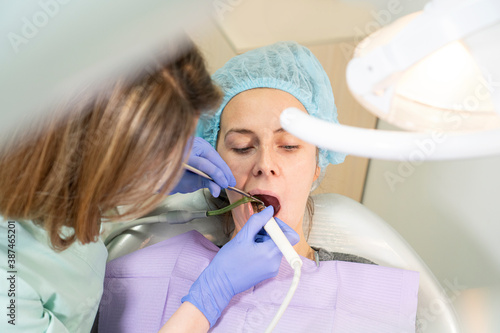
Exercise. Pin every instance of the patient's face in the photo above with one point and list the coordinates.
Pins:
(264, 159)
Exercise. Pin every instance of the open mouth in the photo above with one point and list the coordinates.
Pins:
(268, 200)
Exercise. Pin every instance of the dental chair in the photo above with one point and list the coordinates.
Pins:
(340, 224)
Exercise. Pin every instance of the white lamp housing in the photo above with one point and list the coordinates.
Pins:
(436, 72)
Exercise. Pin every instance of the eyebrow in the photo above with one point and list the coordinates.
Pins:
(249, 132)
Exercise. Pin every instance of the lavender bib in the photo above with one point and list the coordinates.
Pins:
(144, 288)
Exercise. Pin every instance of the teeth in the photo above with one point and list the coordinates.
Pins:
(269, 201)
(257, 207)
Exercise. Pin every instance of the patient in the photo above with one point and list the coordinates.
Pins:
(337, 292)
(271, 164)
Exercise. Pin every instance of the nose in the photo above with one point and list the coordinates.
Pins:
(266, 163)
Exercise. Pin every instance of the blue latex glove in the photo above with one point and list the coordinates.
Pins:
(205, 158)
(249, 258)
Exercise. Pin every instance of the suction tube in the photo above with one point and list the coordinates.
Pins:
(294, 261)
(283, 244)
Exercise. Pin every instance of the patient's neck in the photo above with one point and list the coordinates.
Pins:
(302, 247)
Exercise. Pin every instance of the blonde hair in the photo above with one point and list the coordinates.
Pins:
(117, 148)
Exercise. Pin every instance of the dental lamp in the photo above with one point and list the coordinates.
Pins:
(434, 73)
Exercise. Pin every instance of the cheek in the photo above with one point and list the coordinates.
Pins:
(240, 167)
(232, 196)
(299, 180)
(241, 172)
(303, 168)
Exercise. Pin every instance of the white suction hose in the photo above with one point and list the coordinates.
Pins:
(293, 259)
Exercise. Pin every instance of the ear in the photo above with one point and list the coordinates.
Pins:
(317, 173)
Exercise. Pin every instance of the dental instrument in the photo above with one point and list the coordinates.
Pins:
(271, 227)
(234, 189)
(281, 242)
(293, 260)
(184, 216)
(176, 217)
(172, 217)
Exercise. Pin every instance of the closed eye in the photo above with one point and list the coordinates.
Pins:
(290, 148)
(242, 150)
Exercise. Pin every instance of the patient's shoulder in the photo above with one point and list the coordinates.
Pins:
(325, 255)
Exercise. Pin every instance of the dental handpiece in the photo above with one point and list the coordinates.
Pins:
(204, 175)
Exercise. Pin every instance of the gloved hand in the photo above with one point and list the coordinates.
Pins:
(205, 158)
(249, 258)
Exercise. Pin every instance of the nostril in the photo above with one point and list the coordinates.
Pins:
(266, 172)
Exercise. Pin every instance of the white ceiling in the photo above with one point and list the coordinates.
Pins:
(248, 24)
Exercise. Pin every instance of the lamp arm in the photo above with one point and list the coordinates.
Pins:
(390, 145)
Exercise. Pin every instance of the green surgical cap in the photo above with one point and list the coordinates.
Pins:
(286, 66)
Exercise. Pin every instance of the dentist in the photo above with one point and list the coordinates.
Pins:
(122, 148)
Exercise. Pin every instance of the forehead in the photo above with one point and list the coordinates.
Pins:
(256, 108)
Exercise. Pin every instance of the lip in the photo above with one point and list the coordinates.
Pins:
(258, 191)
